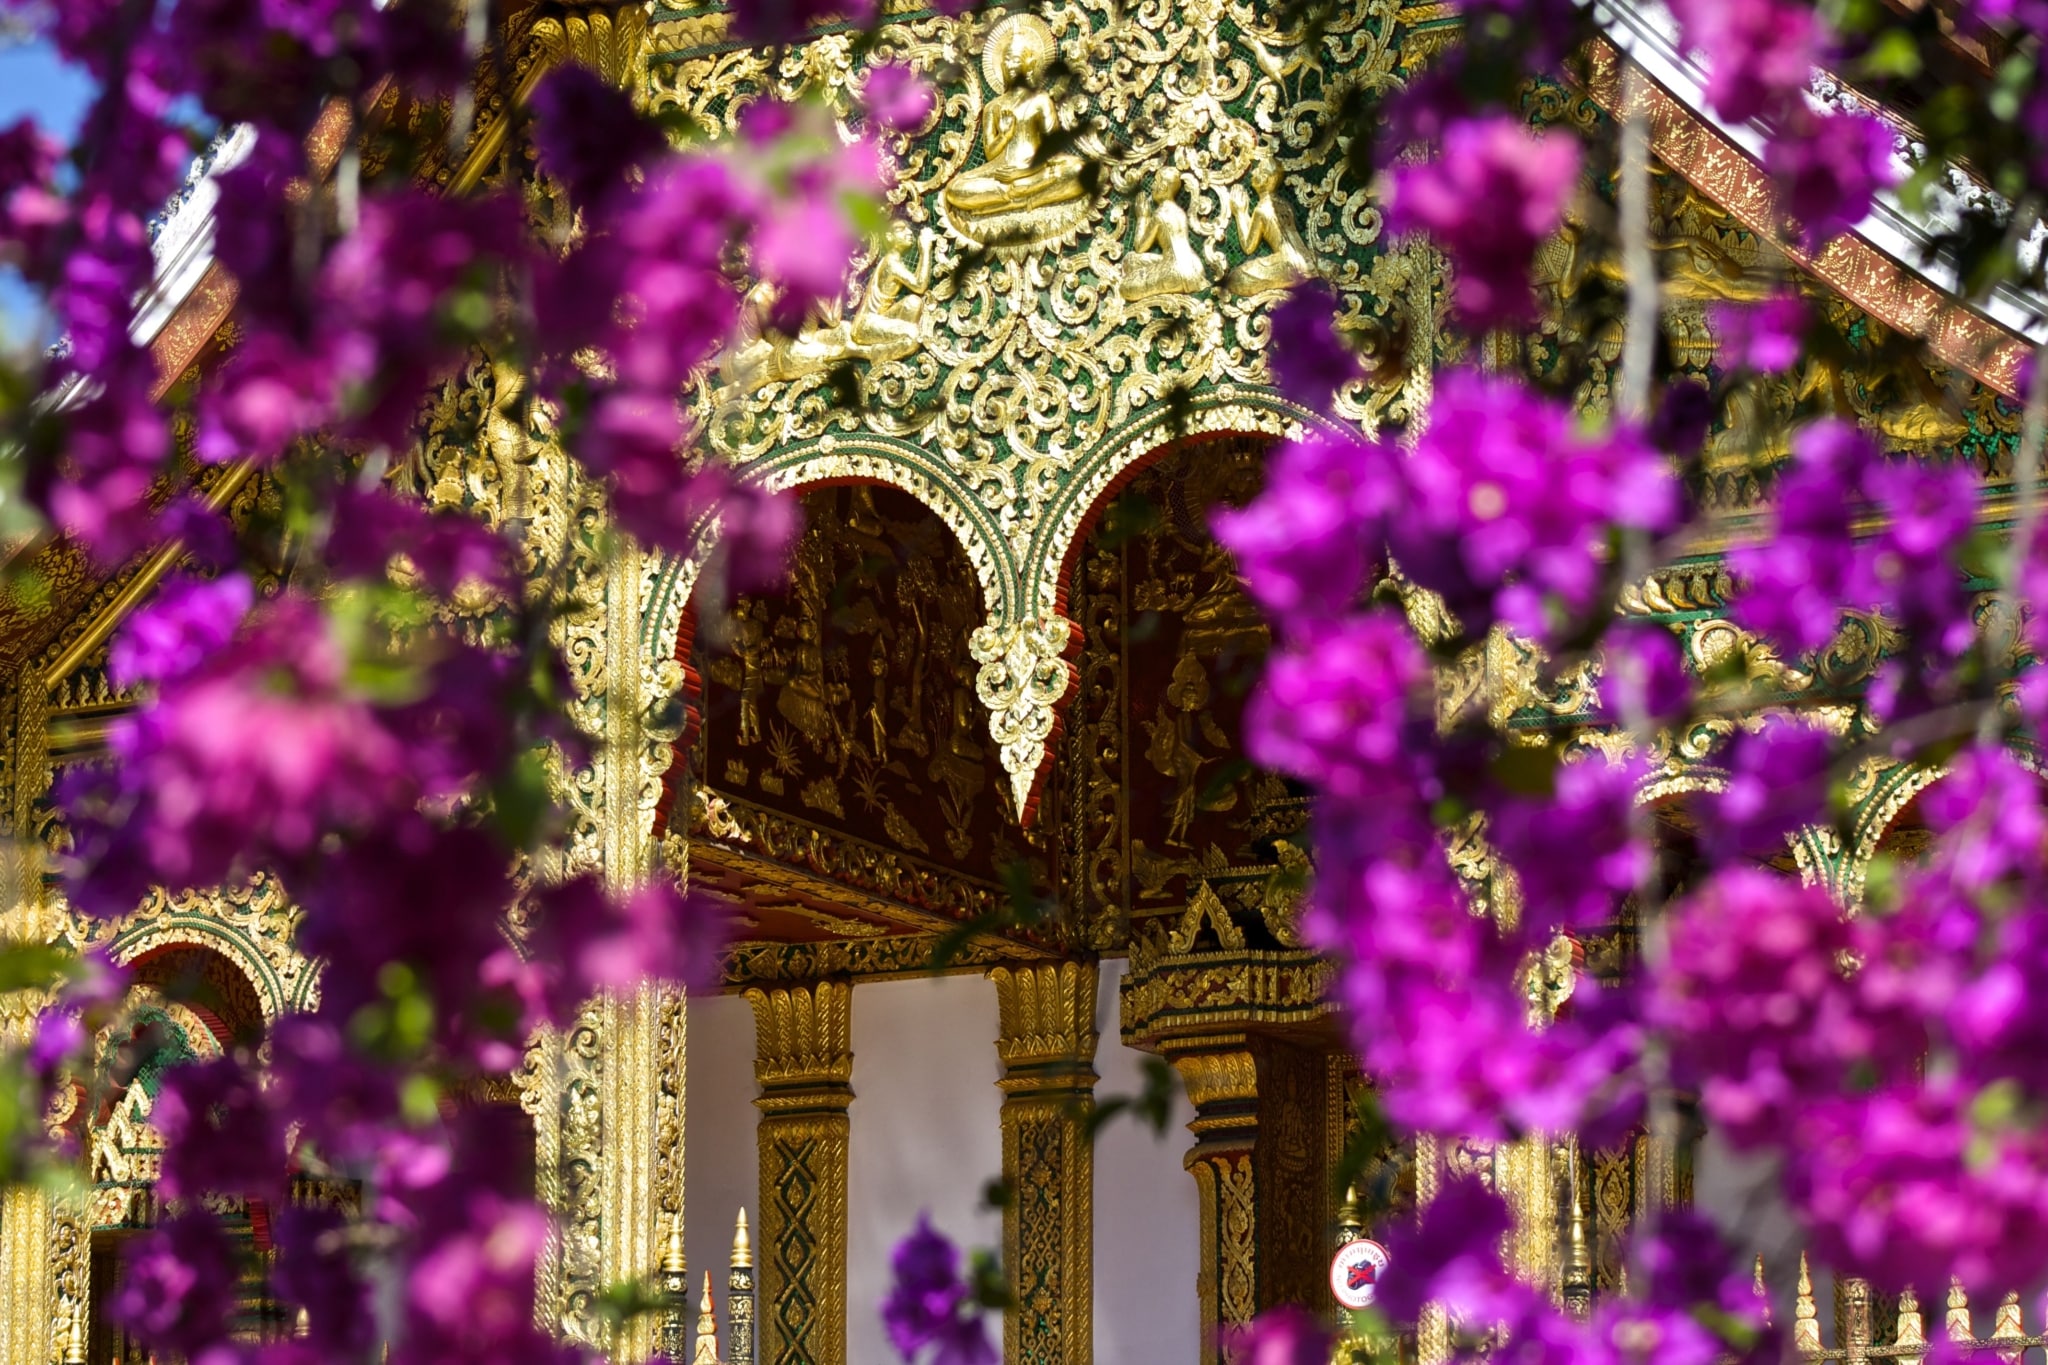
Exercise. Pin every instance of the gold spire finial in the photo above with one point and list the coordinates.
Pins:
(706, 1350)
(75, 1343)
(1805, 1314)
(673, 1261)
(742, 1246)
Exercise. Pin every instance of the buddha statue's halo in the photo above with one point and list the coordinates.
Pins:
(1029, 36)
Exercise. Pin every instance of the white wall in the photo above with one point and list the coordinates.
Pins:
(1147, 1220)
(926, 1132)
(718, 1136)
(927, 1136)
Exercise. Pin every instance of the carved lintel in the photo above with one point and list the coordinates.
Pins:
(1047, 1043)
(803, 1058)
(1024, 676)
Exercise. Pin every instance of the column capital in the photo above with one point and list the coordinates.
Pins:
(1221, 1076)
(1046, 1035)
(803, 1045)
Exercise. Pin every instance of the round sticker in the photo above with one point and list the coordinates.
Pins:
(1355, 1272)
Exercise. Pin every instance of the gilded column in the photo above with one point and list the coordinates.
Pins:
(1432, 1325)
(1258, 1165)
(1047, 1045)
(41, 1254)
(28, 1327)
(803, 1059)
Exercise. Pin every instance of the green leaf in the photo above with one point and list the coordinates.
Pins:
(1895, 53)
(1996, 1104)
(520, 801)
(34, 966)
(866, 213)
(1528, 770)
(1155, 1102)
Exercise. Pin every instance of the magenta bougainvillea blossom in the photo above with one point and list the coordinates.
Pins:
(929, 1314)
(294, 717)
(1523, 179)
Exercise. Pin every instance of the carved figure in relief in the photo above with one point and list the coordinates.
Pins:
(809, 700)
(1697, 265)
(959, 764)
(1163, 259)
(758, 354)
(750, 645)
(1019, 193)
(878, 698)
(917, 587)
(886, 326)
(1171, 750)
(883, 327)
(1267, 225)
(1222, 618)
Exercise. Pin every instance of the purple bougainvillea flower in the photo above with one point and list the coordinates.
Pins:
(1451, 1257)
(1304, 544)
(1760, 53)
(1766, 337)
(1287, 1335)
(1308, 358)
(780, 21)
(1751, 972)
(184, 625)
(1575, 850)
(1829, 169)
(897, 97)
(1495, 191)
(588, 134)
(180, 1285)
(929, 1313)
(1341, 709)
(221, 1132)
(1795, 574)
(1510, 498)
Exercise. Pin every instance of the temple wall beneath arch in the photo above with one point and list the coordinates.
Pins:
(926, 1137)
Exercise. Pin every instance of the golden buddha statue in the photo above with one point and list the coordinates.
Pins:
(1019, 194)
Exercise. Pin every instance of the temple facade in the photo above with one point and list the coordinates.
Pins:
(973, 787)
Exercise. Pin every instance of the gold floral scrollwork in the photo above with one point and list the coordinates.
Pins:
(1024, 674)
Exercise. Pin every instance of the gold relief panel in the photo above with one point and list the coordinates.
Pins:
(1170, 648)
(849, 704)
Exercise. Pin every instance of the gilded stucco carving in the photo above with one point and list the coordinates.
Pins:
(1090, 228)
